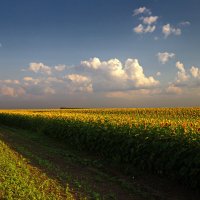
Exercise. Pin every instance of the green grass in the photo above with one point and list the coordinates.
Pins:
(20, 180)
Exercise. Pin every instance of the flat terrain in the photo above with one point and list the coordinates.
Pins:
(34, 166)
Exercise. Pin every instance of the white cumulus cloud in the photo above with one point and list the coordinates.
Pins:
(60, 68)
(144, 29)
(181, 75)
(79, 83)
(94, 63)
(40, 67)
(139, 29)
(76, 78)
(185, 83)
(168, 30)
(136, 74)
(150, 20)
(141, 10)
(112, 75)
(195, 71)
(30, 80)
(163, 57)
(149, 29)
(105, 75)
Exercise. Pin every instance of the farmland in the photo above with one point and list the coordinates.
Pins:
(161, 141)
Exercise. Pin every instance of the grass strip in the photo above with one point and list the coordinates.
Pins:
(20, 180)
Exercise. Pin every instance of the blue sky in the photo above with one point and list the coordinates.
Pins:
(99, 53)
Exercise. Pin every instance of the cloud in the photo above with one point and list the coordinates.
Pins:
(40, 67)
(185, 23)
(49, 90)
(173, 89)
(139, 29)
(181, 75)
(54, 80)
(38, 86)
(195, 71)
(8, 81)
(105, 75)
(141, 10)
(60, 68)
(112, 67)
(149, 20)
(112, 75)
(168, 30)
(149, 29)
(158, 74)
(165, 56)
(132, 94)
(142, 29)
(136, 74)
(147, 26)
(76, 78)
(94, 63)
(12, 88)
(184, 83)
(11, 91)
(102, 81)
(7, 91)
(180, 66)
(79, 83)
(39, 90)
(31, 81)
(91, 76)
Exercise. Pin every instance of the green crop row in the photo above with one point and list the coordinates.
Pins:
(163, 150)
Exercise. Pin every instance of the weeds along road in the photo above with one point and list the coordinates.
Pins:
(35, 166)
